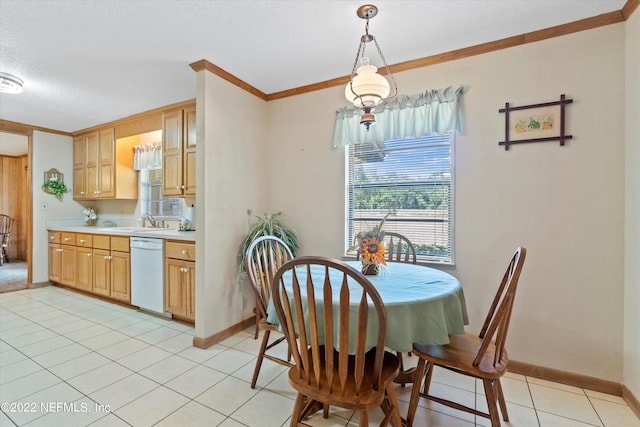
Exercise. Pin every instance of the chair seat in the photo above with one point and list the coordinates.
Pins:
(330, 393)
(460, 352)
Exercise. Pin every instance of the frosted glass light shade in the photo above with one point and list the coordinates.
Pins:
(370, 87)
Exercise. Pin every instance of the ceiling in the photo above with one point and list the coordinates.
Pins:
(87, 62)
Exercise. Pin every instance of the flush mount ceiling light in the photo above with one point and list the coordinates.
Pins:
(10, 84)
(366, 88)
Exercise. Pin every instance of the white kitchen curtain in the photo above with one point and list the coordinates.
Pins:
(428, 113)
(147, 156)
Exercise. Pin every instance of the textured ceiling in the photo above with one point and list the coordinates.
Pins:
(87, 62)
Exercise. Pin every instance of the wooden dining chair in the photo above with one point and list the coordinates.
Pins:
(398, 247)
(6, 223)
(265, 256)
(480, 356)
(326, 321)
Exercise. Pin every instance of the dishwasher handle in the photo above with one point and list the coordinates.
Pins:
(148, 244)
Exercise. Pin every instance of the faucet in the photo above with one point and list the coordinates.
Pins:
(152, 220)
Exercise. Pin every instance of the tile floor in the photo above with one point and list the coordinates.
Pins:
(71, 360)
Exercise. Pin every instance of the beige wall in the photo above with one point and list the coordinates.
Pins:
(232, 172)
(565, 204)
(49, 151)
(631, 360)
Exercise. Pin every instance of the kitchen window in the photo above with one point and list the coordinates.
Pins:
(152, 201)
(412, 179)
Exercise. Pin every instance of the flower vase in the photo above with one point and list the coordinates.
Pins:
(370, 269)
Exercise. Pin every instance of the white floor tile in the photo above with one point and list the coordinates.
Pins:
(193, 414)
(99, 377)
(227, 396)
(230, 361)
(82, 351)
(144, 358)
(259, 410)
(564, 403)
(61, 355)
(152, 407)
(124, 391)
(167, 369)
(615, 414)
(122, 348)
(195, 381)
(79, 365)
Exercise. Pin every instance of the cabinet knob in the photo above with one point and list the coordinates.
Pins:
(66, 239)
(81, 240)
(177, 187)
(89, 254)
(82, 193)
(60, 250)
(184, 252)
(52, 237)
(183, 187)
(107, 257)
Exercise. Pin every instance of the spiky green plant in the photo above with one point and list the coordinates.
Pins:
(55, 187)
(268, 224)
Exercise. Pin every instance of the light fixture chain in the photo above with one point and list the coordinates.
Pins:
(386, 66)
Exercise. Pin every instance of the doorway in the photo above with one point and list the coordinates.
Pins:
(16, 202)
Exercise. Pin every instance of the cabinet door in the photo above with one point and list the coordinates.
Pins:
(68, 265)
(176, 301)
(79, 168)
(172, 153)
(106, 175)
(102, 272)
(93, 160)
(84, 268)
(189, 161)
(191, 290)
(120, 276)
(55, 267)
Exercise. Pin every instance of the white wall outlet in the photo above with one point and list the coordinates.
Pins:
(44, 206)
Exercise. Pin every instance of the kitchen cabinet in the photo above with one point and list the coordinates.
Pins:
(62, 258)
(111, 267)
(103, 167)
(179, 152)
(180, 279)
(84, 262)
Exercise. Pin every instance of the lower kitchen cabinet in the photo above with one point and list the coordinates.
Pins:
(111, 267)
(180, 279)
(84, 268)
(62, 258)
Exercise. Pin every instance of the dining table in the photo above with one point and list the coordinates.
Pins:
(423, 304)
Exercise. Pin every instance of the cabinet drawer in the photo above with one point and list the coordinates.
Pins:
(102, 242)
(68, 238)
(54, 237)
(84, 240)
(180, 250)
(120, 244)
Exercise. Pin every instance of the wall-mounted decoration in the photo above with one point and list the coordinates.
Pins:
(535, 123)
(54, 183)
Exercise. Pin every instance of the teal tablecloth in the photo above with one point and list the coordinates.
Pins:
(423, 304)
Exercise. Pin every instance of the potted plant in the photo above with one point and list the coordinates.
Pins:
(269, 224)
(55, 187)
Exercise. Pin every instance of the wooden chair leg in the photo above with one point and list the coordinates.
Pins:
(363, 419)
(255, 310)
(491, 402)
(396, 421)
(263, 348)
(415, 392)
(503, 405)
(298, 406)
(427, 380)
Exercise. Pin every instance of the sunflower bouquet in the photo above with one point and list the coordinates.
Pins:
(371, 247)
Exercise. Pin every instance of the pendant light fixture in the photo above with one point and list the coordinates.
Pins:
(366, 88)
(10, 83)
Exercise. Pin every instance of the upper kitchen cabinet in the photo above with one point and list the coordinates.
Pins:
(179, 152)
(103, 167)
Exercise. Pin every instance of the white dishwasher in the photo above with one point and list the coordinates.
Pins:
(147, 274)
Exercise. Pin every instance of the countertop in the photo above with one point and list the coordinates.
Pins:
(157, 233)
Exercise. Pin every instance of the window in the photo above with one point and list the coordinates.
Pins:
(153, 203)
(412, 179)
